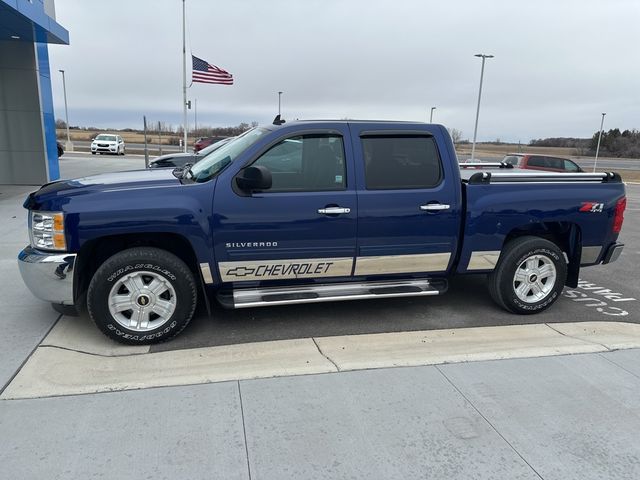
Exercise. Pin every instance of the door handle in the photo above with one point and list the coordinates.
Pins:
(435, 207)
(333, 210)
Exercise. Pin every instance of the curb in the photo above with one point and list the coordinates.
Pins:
(56, 370)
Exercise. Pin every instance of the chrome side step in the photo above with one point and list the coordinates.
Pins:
(259, 297)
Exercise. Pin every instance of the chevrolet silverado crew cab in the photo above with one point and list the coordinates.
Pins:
(313, 211)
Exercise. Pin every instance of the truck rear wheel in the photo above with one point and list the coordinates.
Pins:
(529, 276)
(142, 295)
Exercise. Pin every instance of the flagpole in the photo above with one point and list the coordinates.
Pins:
(184, 75)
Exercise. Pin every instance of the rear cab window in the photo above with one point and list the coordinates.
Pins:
(401, 162)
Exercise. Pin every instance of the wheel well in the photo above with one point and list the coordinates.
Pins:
(566, 235)
(94, 252)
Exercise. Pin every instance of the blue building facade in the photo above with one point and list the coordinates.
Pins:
(28, 153)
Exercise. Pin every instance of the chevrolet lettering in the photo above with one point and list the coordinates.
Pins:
(313, 211)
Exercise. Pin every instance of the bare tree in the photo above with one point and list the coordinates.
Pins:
(456, 135)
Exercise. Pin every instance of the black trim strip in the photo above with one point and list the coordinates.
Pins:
(395, 133)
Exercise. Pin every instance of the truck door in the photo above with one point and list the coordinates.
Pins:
(408, 203)
(304, 226)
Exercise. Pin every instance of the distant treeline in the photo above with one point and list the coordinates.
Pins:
(614, 143)
(567, 142)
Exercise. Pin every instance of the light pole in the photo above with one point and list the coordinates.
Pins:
(69, 145)
(431, 116)
(598, 147)
(279, 102)
(475, 129)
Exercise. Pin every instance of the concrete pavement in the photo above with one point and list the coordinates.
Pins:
(554, 418)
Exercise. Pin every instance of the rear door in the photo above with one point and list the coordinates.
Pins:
(304, 226)
(408, 203)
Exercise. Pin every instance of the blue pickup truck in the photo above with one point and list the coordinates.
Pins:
(312, 211)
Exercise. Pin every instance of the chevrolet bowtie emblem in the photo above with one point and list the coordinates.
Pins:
(240, 271)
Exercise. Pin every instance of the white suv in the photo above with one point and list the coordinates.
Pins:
(107, 143)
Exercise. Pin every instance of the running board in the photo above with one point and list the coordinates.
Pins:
(260, 297)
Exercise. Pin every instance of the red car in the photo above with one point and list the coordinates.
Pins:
(205, 142)
(541, 162)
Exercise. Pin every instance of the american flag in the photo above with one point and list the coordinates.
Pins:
(205, 73)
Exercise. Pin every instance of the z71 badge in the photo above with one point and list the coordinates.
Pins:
(592, 207)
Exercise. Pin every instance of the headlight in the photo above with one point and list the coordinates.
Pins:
(46, 230)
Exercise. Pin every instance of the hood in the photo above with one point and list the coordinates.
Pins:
(105, 182)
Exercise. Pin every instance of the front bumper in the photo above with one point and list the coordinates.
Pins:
(50, 276)
(107, 149)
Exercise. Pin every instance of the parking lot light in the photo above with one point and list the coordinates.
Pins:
(69, 146)
(598, 147)
(475, 129)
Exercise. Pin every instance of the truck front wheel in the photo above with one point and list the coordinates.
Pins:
(142, 295)
(529, 276)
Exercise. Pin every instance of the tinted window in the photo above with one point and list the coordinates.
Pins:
(569, 166)
(306, 163)
(555, 163)
(537, 162)
(401, 162)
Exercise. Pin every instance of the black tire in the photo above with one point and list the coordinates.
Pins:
(93, 153)
(176, 288)
(536, 292)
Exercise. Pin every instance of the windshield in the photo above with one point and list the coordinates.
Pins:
(213, 147)
(110, 138)
(211, 164)
(512, 160)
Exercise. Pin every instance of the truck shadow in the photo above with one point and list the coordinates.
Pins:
(466, 304)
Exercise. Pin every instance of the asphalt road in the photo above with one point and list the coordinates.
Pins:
(86, 146)
(77, 164)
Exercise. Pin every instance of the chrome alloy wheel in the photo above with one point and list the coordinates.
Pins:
(142, 301)
(534, 279)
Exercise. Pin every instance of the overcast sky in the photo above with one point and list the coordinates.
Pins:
(558, 63)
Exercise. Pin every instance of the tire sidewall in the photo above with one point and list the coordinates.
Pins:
(117, 267)
(509, 295)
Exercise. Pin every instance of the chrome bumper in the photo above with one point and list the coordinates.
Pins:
(48, 275)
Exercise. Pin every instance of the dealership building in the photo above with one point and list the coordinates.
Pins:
(28, 152)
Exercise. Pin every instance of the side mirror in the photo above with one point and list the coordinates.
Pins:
(254, 178)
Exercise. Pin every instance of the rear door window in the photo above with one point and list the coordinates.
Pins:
(401, 162)
(536, 161)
